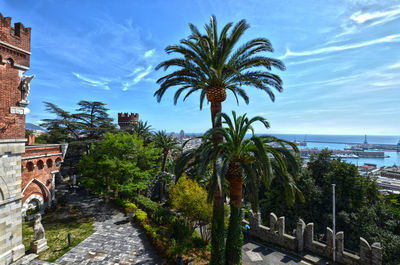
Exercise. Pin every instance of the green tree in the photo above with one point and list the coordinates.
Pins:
(167, 144)
(119, 162)
(247, 161)
(142, 129)
(210, 64)
(78, 129)
(190, 198)
(92, 119)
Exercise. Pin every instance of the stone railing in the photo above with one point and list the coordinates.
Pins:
(304, 241)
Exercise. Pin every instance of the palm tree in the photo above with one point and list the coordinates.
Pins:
(167, 144)
(248, 160)
(210, 64)
(143, 130)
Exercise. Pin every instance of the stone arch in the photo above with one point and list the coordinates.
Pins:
(3, 189)
(41, 185)
(49, 163)
(10, 61)
(36, 199)
(58, 161)
(40, 164)
(30, 166)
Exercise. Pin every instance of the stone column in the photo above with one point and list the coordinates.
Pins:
(281, 226)
(376, 250)
(309, 236)
(53, 187)
(272, 221)
(11, 247)
(339, 246)
(365, 252)
(300, 235)
(329, 242)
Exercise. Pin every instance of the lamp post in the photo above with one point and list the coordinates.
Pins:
(333, 223)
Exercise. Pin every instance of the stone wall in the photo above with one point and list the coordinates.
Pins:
(303, 241)
(11, 247)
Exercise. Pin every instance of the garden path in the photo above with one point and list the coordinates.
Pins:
(116, 240)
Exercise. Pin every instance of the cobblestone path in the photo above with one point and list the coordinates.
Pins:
(116, 240)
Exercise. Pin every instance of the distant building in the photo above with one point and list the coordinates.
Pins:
(391, 172)
(126, 120)
(365, 144)
(181, 135)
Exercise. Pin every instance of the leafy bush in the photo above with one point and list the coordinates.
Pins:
(190, 198)
(130, 208)
(157, 213)
(141, 216)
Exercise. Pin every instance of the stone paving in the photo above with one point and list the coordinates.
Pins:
(116, 240)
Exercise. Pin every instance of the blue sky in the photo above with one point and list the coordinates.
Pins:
(342, 59)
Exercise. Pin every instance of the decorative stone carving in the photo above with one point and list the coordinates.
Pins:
(24, 86)
(40, 243)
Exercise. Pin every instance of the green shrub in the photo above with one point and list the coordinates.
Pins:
(156, 212)
(130, 208)
(141, 216)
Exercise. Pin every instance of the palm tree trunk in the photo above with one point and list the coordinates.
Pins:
(164, 162)
(234, 240)
(217, 224)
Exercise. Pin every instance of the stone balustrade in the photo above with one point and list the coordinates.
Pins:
(303, 241)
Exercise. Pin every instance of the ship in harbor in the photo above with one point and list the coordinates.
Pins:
(345, 153)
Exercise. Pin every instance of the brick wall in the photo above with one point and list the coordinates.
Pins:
(14, 61)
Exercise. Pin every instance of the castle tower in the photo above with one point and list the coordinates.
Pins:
(126, 120)
(14, 89)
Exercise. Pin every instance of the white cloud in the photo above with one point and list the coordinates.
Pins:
(149, 53)
(378, 17)
(92, 82)
(127, 84)
(386, 39)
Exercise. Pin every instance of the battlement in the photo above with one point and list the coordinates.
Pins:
(15, 43)
(126, 119)
(302, 241)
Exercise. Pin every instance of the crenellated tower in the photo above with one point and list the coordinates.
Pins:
(125, 119)
(14, 61)
(14, 89)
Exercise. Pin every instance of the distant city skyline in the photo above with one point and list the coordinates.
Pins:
(342, 59)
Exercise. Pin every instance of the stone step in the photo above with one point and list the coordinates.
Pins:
(26, 259)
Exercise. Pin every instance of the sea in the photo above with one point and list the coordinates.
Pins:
(339, 142)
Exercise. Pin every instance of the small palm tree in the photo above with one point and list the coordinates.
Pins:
(167, 144)
(143, 130)
(211, 64)
(246, 161)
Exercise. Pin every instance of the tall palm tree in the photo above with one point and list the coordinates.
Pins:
(167, 144)
(211, 64)
(248, 160)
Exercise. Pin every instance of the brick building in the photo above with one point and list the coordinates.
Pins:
(40, 164)
(125, 120)
(27, 171)
(14, 61)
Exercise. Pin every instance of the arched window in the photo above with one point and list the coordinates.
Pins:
(49, 163)
(1, 195)
(40, 164)
(30, 166)
(10, 61)
(58, 161)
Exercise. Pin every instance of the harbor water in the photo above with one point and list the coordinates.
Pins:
(328, 141)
